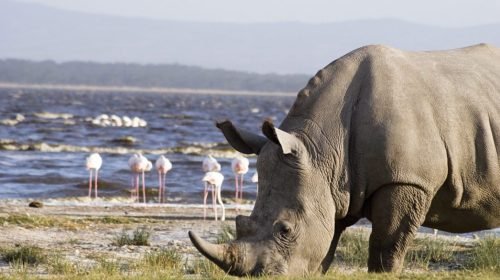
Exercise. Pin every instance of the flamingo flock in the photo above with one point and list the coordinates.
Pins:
(212, 179)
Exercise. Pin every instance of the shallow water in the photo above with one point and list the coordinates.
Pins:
(45, 137)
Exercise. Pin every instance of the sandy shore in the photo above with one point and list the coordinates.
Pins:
(82, 234)
(165, 90)
(168, 224)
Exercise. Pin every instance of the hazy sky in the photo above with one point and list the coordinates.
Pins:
(434, 12)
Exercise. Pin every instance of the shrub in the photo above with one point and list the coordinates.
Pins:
(24, 255)
(140, 237)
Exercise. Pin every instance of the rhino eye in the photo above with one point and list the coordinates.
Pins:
(283, 229)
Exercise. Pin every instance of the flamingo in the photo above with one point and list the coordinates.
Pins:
(240, 168)
(93, 162)
(210, 164)
(163, 165)
(138, 165)
(214, 180)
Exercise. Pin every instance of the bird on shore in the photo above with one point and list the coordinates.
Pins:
(94, 163)
(163, 165)
(213, 180)
(210, 164)
(239, 166)
(138, 165)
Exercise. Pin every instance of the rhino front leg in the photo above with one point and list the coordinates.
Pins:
(396, 212)
(340, 226)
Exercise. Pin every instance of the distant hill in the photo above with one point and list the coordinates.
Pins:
(136, 75)
(37, 32)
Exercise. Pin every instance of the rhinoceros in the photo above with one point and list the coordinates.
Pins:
(402, 138)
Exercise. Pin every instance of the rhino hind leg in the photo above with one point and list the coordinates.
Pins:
(396, 212)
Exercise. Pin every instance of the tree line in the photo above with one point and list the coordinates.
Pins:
(138, 75)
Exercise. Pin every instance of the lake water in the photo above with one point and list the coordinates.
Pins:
(45, 137)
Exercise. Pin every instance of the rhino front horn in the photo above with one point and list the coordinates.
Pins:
(213, 252)
(225, 256)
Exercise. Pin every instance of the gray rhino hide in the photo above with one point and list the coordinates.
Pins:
(402, 138)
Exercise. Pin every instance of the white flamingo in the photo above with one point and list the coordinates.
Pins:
(240, 168)
(214, 180)
(163, 165)
(138, 165)
(94, 163)
(209, 164)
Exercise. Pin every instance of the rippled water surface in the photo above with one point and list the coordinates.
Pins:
(45, 137)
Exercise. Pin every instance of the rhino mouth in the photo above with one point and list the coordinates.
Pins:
(238, 258)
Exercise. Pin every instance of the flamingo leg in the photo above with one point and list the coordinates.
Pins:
(159, 186)
(96, 172)
(241, 187)
(205, 195)
(214, 205)
(137, 187)
(90, 182)
(132, 181)
(163, 185)
(219, 199)
(143, 188)
(236, 196)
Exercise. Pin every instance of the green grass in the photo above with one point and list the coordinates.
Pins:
(164, 258)
(485, 255)
(57, 264)
(226, 234)
(24, 255)
(140, 237)
(206, 269)
(352, 249)
(425, 252)
(39, 221)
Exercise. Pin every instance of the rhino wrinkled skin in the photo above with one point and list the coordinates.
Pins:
(402, 138)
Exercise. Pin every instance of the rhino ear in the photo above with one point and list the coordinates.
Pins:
(289, 143)
(243, 141)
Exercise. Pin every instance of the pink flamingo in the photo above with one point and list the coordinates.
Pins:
(240, 168)
(214, 180)
(209, 164)
(138, 165)
(163, 165)
(93, 162)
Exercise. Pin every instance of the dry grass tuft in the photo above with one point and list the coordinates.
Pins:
(140, 237)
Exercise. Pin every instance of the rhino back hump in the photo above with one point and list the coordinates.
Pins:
(430, 119)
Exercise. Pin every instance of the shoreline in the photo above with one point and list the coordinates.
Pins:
(133, 89)
(83, 235)
(117, 207)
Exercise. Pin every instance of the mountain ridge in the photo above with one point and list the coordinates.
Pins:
(38, 32)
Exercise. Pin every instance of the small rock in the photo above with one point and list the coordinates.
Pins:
(36, 204)
(125, 140)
